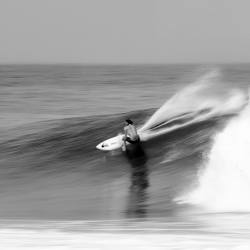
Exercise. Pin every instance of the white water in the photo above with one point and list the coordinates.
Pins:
(196, 233)
(47, 240)
(207, 93)
(224, 182)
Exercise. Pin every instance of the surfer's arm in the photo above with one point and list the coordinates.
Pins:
(125, 134)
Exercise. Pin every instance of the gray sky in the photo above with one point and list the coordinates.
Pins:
(124, 31)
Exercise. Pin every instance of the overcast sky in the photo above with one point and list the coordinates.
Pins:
(124, 31)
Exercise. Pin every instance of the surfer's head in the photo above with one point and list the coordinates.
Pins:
(128, 121)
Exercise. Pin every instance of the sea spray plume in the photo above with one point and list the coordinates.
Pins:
(176, 104)
(183, 101)
(224, 182)
(203, 99)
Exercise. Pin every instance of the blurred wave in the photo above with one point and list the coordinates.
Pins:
(52, 166)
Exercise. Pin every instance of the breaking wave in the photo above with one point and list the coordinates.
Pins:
(224, 181)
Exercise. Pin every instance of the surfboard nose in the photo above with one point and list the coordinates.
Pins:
(99, 146)
(102, 146)
(111, 144)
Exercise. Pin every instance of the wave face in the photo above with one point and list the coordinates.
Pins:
(224, 181)
(56, 172)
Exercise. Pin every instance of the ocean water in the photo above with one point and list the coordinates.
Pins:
(187, 188)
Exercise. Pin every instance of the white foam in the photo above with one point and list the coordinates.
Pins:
(224, 182)
(13, 239)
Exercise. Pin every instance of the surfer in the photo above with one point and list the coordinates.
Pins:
(130, 133)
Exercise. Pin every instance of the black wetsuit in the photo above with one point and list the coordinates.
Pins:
(133, 141)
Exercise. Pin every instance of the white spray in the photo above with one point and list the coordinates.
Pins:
(205, 94)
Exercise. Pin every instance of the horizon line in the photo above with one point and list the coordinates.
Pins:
(122, 63)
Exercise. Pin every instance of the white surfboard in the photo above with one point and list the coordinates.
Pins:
(111, 144)
(116, 142)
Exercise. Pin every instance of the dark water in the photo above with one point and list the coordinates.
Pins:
(53, 116)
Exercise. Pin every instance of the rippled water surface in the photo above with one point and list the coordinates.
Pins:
(187, 190)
